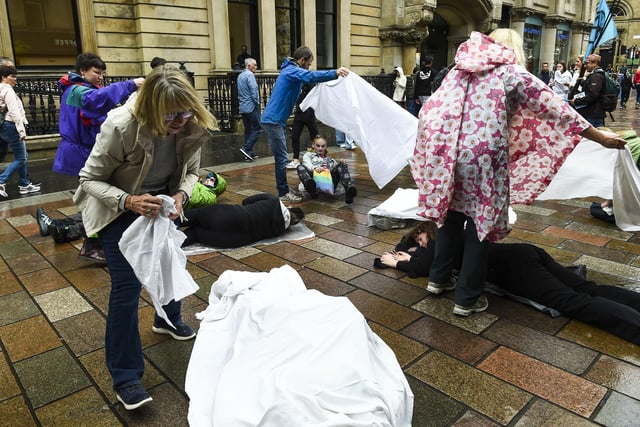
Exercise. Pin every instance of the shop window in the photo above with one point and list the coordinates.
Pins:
(44, 32)
(326, 37)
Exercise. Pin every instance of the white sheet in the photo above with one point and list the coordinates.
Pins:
(298, 231)
(269, 352)
(384, 131)
(592, 170)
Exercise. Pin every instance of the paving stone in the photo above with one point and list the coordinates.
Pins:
(482, 392)
(86, 407)
(405, 349)
(335, 268)
(545, 414)
(43, 281)
(610, 267)
(393, 316)
(389, 288)
(616, 375)
(330, 248)
(619, 410)
(568, 391)
(8, 385)
(431, 408)
(41, 338)
(15, 412)
(167, 409)
(62, 303)
(83, 333)
(16, 306)
(323, 283)
(10, 283)
(442, 308)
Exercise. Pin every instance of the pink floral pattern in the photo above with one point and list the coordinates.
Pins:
(492, 134)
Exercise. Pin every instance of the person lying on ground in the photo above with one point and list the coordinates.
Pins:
(260, 216)
(414, 253)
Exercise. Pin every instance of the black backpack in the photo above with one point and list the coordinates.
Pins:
(609, 94)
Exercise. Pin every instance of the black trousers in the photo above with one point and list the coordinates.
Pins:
(529, 271)
(339, 175)
(300, 120)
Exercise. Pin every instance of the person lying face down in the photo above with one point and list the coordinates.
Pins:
(414, 254)
(260, 216)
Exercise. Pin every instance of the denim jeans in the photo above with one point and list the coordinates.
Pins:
(252, 129)
(278, 142)
(9, 134)
(473, 272)
(595, 121)
(123, 348)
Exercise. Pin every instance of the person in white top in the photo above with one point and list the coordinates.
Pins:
(561, 80)
(13, 132)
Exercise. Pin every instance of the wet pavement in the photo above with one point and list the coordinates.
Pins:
(510, 365)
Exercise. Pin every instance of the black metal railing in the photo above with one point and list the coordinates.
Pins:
(41, 99)
(223, 94)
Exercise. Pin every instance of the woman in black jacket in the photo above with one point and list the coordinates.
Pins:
(260, 216)
(414, 253)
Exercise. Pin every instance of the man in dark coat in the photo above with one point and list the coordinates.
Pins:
(260, 216)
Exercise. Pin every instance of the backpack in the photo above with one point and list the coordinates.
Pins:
(609, 94)
(437, 80)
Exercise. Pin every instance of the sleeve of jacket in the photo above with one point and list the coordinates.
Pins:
(255, 92)
(98, 102)
(306, 76)
(594, 85)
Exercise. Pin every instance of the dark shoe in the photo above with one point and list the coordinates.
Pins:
(350, 194)
(133, 396)
(92, 251)
(480, 305)
(44, 221)
(597, 211)
(310, 186)
(580, 270)
(253, 155)
(378, 264)
(246, 154)
(438, 288)
(181, 332)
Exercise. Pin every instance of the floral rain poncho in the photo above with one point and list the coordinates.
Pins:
(493, 133)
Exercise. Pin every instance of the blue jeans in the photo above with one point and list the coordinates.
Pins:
(10, 135)
(595, 121)
(473, 272)
(252, 129)
(278, 142)
(123, 348)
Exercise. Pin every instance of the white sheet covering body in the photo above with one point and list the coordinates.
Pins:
(592, 170)
(384, 131)
(152, 248)
(269, 352)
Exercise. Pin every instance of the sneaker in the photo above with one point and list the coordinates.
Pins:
(29, 188)
(291, 198)
(44, 221)
(181, 332)
(3, 191)
(438, 288)
(480, 305)
(253, 155)
(385, 223)
(293, 164)
(350, 194)
(246, 154)
(133, 396)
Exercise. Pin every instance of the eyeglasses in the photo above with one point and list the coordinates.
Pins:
(178, 115)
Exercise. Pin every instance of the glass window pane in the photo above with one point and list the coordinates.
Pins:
(43, 32)
(326, 39)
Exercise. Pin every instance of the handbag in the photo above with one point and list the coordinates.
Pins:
(324, 182)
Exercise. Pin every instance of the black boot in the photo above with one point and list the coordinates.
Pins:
(310, 186)
(92, 251)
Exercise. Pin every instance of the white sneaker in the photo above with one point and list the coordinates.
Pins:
(293, 164)
(30, 188)
(3, 191)
(290, 198)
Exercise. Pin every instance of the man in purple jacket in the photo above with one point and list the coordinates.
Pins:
(83, 107)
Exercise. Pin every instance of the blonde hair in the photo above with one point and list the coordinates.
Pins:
(511, 39)
(167, 87)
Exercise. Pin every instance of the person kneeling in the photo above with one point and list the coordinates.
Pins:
(316, 162)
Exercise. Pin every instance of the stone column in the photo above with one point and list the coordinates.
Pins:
(308, 22)
(547, 51)
(5, 34)
(579, 38)
(267, 13)
(219, 38)
(344, 33)
(518, 17)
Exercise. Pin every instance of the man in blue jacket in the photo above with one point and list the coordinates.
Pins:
(294, 72)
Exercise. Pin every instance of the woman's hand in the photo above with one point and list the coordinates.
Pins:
(604, 138)
(401, 256)
(179, 198)
(144, 204)
(388, 259)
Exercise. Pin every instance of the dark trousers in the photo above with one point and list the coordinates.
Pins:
(223, 227)
(300, 120)
(252, 129)
(529, 271)
(123, 348)
(449, 244)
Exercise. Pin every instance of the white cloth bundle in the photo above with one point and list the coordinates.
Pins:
(269, 352)
(152, 248)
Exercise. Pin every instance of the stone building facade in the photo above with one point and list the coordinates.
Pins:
(365, 35)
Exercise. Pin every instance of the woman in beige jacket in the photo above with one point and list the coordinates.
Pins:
(147, 147)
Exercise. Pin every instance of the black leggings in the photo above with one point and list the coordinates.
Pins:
(300, 120)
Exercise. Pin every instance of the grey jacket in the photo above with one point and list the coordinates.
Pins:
(120, 160)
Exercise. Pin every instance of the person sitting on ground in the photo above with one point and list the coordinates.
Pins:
(414, 253)
(528, 271)
(260, 216)
(317, 161)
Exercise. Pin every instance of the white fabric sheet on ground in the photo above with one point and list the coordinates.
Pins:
(269, 352)
(384, 131)
(592, 170)
(403, 204)
(298, 231)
